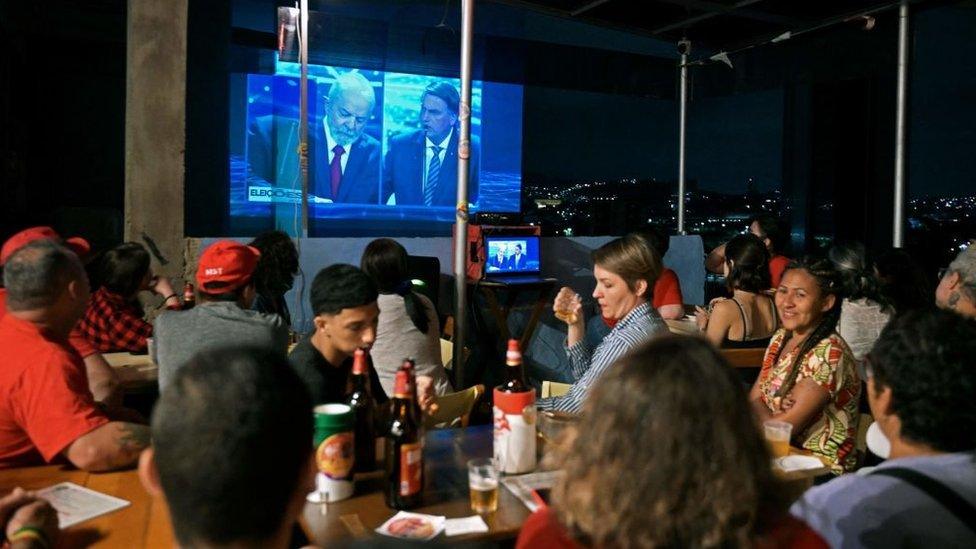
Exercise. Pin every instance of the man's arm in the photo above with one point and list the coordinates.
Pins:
(716, 259)
(115, 445)
(102, 381)
(671, 312)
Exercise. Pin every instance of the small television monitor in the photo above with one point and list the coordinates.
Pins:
(512, 254)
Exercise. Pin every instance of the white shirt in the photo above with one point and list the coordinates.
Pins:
(429, 152)
(331, 143)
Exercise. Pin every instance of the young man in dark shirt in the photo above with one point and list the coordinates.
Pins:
(343, 300)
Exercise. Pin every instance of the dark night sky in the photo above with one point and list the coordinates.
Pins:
(584, 136)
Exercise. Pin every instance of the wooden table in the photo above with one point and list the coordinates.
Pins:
(144, 523)
(446, 454)
(134, 371)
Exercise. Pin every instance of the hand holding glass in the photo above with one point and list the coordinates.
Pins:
(567, 306)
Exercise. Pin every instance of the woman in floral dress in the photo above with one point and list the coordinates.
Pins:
(808, 376)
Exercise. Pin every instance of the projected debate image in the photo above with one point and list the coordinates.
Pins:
(382, 147)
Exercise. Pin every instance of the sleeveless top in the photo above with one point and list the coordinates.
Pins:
(746, 342)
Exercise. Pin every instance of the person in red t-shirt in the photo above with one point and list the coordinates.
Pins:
(667, 290)
(48, 411)
(102, 380)
(666, 454)
(772, 232)
(114, 318)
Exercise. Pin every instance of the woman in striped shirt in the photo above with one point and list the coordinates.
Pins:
(625, 271)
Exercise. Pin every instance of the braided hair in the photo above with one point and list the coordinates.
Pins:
(385, 261)
(828, 282)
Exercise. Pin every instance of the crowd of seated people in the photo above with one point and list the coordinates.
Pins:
(669, 449)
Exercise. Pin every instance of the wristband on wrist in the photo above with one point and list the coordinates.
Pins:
(30, 532)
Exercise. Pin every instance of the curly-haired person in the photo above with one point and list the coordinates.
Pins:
(921, 384)
(667, 454)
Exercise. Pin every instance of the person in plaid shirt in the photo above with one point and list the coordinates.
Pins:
(114, 319)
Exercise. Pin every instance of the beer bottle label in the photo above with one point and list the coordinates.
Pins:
(514, 432)
(411, 468)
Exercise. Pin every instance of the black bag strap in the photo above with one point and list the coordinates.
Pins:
(945, 496)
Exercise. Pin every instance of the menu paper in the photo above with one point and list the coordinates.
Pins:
(521, 486)
(76, 504)
(467, 525)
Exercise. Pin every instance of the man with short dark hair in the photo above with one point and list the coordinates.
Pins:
(420, 167)
(921, 384)
(232, 449)
(346, 314)
(957, 287)
(222, 317)
(47, 410)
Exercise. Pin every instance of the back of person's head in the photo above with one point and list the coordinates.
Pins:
(965, 266)
(773, 228)
(903, 281)
(232, 440)
(385, 261)
(667, 453)
(857, 281)
(926, 358)
(446, 93)
(37, 275)
(123, 269)
(656, 238)
(748, 264)
(339, 287)
(632, 259)
(278, 264)
(225, 272)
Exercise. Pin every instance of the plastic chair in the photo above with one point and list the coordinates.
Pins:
(454, 408)
(554, 389)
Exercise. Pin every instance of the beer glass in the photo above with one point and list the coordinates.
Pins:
(778, 437)
(483, 483)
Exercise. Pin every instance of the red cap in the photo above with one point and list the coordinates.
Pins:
(76, 244)
(227, 262)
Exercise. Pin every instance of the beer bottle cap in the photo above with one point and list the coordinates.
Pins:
(513, 356)
(402, 386)
(359, 362)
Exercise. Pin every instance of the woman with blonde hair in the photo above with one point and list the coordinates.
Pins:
(667, 454)
(625, 270)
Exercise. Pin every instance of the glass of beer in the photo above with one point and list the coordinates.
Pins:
(778, 437)
(483, 483)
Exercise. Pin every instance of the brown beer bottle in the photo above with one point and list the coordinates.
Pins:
(514, 374)
(410, 367)
(360, 398)
(189, 299)
(404, 448)
(514, 413)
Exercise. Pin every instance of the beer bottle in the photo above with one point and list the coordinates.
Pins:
(410, 367)
(188, 297)
(360, 399)
(514, 413)
(404, 449)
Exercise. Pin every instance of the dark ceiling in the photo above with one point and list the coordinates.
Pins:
(714, 24)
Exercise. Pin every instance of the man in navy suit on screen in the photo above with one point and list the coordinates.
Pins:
(344, 162)
(516, 261)
(421, 166)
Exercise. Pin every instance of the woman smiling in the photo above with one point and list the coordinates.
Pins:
(808, 377)
(625, 271)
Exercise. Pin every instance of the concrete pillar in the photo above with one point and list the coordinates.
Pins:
(155, 128)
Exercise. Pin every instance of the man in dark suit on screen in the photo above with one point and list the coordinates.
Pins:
(516, 261)
(421, 166)
(343, 162)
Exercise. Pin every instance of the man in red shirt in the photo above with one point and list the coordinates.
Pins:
(102, 380)
(771, 231)
(47, 410)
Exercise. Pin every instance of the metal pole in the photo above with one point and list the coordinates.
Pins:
(684, 47)
(898, 230)
(303, 112)
(461, 211)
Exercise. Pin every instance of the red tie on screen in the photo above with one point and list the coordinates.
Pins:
(336, 169)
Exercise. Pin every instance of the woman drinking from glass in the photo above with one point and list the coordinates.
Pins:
(625, 270)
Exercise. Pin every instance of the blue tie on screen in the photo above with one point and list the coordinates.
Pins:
(433, 172)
